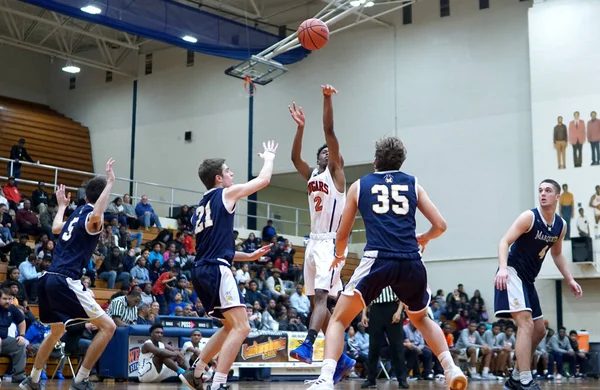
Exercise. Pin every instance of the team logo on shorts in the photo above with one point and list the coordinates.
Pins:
(516, 303)
(228, 297)
(388, 178)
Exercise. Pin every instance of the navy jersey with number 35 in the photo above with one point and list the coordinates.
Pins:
(214, 229)
(527, 253)
(388, 203)
(75, 245)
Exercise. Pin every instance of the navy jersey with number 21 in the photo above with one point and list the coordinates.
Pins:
(214, 229)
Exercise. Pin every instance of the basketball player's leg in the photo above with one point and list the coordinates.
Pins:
(45, 349)
(212, 347)
(240, 328)
(106, 328)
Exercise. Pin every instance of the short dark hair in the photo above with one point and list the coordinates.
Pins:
(553, 183)
(6, 291)
(390, 154)
(209, 169)
(573, 332)
(156, 326)
(321, 149)
(562, 328)
(196, 330)
(134, 294)
(94, 188)
(9, 283)
(576, 112)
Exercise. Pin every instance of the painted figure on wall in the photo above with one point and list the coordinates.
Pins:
(566, 208)
(560, 143)
(595, 204)
(593, 135)
(577, 138)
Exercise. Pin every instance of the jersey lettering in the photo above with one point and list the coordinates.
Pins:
(401, 205)
(318, 203)
(204, 220)
(67, 235)
(318, 186)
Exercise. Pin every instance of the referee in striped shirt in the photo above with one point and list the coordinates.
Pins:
(385, 318)
(123, 310)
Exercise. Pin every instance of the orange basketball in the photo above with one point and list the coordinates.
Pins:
(313, 34)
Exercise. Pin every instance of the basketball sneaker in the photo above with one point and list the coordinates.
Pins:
(304, 352)
(320, 384)
(28, 384)
(343, 368)
(533, 385)
(512, 384)
(456, 379)
(222, 387)
(83, 385)
(188, 379)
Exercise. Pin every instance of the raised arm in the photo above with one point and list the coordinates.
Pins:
(301, 165)
(237, 191)
(561, 264)
(94, 223)
(348, 216)
(433, 215)
(335, 162)
(63, 202)
(521, 225)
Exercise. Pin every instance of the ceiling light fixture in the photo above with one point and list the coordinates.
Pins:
(70, 68)
(90, 9)
(189, 39)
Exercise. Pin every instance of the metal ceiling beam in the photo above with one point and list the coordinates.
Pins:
(228, 8)
(356, 11)
(55, 53)
(25, 15)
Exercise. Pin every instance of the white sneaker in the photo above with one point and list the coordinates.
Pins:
(476, 377)
(320, 384)
(488, 377)
(558, 377)
(455, 379)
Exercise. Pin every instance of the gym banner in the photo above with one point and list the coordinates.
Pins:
(264, 347)
(297, 338)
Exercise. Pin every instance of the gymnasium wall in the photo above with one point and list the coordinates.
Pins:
(24, 75)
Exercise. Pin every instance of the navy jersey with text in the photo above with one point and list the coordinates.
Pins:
(214, 228)
(388, 202)
(529, 250)
(75, 245)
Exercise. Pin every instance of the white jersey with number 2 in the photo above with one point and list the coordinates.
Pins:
(325, 202)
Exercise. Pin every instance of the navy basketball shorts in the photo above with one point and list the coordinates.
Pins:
(62, 300)
(406, 277)
(217, 288)
(518, 296)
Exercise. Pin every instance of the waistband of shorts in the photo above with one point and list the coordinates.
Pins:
(218, 261)
(322, 236)
(57, 273)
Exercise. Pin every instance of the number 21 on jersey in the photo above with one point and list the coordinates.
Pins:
(400, 204)
(203, 218)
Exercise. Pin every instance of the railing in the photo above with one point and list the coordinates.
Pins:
(287, 219)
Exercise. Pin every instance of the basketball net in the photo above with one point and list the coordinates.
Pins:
(249, 86)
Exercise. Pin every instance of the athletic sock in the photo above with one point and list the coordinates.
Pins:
(199, 366)
(473, 370)
(35, 374)
(218, 380)
(311, 336)
(446, 361)
(82, 375)
(516, 374)
(526, 377)
(328, 369)
(486, 370)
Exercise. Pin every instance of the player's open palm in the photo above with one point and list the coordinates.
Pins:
(297, 114)
(501, 279)
(62, 198)
(270, 147)
(110, 174)
(576, 289)
(328, 90)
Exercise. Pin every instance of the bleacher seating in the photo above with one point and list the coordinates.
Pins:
(50, 137)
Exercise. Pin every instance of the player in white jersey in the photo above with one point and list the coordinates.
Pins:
(159, 362)
(326, 201)
(595, 204)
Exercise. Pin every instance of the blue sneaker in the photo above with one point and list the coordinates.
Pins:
(59, 376)
(43, 376)
(343, 368)
(304, 352)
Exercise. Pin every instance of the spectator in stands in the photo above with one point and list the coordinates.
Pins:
(251, 244)
(20, 252)
(253, 295)
(13, 347)
(46, 219)
(541, 358)
(112, 269)
(29, 276)
(184, 220)
(477, 299)
(471, 342)
(35, 335)
(455, 352)
(129, 212)
(123, 310)
(268, 231)
(188, 242)
(27, 220)
(12, 194)
(237, 241)
(115, 210)
(47, 249)
(243, 275)
(506, 341)
(146, 214)
(139, 271)
(5, 223)
(170, 253)
(162, 288)
(147, 297)
(182, 283)
(253, 317)
(300, 302)
(143, 315)
(461, 291)
(415, 350)
(3, 199)
(177, 310)
(275, 284)
(40, 198)
(562, 351)
(18, 153)
(581, 357)
(156, 255)
(106, 241)
(437, 311)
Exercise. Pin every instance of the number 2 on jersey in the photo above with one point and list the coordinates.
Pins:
(204, 221)
(318, 203)
(383, 198)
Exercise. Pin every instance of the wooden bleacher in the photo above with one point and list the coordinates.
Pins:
(50, 137)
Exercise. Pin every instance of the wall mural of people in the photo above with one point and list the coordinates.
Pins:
(595, 204)
(593, 134)
(567, 208)
(577, 138)
(560, 143)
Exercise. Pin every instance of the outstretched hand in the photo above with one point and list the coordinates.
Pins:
(297, 114)
(269, 150)
(575, 289)
(110, 174)
(63, 199)
(328, 90)
(260, 252)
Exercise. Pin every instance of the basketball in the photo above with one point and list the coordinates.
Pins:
(313, 34)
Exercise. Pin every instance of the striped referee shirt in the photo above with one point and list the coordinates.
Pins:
(386, 296)
(119, 308)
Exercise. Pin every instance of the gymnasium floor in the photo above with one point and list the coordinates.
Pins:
(346, 385)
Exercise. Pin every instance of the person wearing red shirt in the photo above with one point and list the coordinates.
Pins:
(12, 194)
(188, 243)
(158, 290)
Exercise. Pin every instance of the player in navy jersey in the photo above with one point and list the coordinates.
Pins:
(62, 297)
(388, 201)
(213, 280)
(531, 236)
